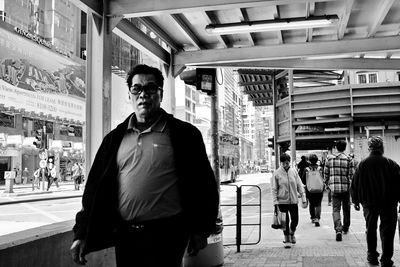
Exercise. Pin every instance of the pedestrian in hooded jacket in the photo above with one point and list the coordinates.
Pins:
(285, 186)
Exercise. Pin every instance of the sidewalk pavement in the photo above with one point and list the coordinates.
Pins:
(315, 247)
(24, 192)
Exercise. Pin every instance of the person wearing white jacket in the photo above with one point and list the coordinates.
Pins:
(286, 185)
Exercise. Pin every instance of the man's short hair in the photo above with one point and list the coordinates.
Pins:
(375, 143)
(341, 145)
(145, 69)
(303, 157)
(313, 159)
(284, 157)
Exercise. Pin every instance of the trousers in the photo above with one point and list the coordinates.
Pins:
(152, 244)
(341, 200)
(387, 230)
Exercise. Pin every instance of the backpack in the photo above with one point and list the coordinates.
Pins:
(314, 180)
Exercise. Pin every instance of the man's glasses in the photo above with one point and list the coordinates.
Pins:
(150, 88)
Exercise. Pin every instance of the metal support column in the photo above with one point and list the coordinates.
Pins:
(291, 118)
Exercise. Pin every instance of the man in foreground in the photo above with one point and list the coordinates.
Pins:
(151, 191)
(376, 185)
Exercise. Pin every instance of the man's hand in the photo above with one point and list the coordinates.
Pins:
(76, 252)
(196, 243)
(357, 207)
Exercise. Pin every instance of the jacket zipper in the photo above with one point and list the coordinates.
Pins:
(287, 173)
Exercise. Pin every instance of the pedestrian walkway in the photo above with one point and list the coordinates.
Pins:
(316, 246)
(24, 192)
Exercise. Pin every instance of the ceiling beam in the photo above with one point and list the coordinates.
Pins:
(266, 82)
(310, 8)
(184, 28)
(94, 6)
(154, 27)
(212, 19)
(275, 10)
(140, 8)
(262, 104)
(282, 51)
(127, 31)
(254, 72)
(269, 99)
(252, 92)
(319, 64)
(344, 19)
(380, 14)
(245, 17)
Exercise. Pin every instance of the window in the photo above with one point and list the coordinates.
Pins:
(367, 77)
(188, 117)
(372, 78)
(187, 104)
(362, 78)
(187, 91)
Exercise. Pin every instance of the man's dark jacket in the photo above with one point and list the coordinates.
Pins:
(376, 182)
(97, 221)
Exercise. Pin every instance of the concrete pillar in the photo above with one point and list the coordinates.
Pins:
(98, 84)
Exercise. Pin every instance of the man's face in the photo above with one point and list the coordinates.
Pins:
(146, 96)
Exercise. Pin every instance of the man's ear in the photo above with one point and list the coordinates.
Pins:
(161, 95)
(129, 96)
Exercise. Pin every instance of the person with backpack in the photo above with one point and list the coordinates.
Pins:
(338, 173)
(313, 179)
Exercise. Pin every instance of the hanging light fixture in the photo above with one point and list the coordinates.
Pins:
(272, 25)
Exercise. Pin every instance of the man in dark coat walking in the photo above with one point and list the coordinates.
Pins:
(376, 185)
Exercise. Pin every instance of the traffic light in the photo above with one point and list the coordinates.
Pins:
(39, 139)
(271, 142)
(202, 78)
(50, 159)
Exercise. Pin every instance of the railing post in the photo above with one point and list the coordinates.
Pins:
(238, 217)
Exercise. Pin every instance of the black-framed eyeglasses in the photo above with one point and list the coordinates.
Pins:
(150, 88)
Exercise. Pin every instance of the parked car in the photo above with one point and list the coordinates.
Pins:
(264, 168)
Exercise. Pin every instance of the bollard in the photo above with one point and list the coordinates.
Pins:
(9, 176)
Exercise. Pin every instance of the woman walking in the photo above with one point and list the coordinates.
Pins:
(285, 186)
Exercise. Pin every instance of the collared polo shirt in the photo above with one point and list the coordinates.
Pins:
(148, 183)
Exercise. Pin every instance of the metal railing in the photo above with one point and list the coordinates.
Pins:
(239, 205)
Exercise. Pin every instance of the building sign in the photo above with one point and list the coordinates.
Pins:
(230, 139)
(14, 139)
(39, 80)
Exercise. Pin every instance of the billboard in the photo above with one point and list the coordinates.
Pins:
(36, 78)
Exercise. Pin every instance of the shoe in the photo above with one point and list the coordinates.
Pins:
(345, 231)
(287, 241)
(317, 224)
(338, 236)
(292, 238)
(313, 220)
(387, 264)
(373, 261)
